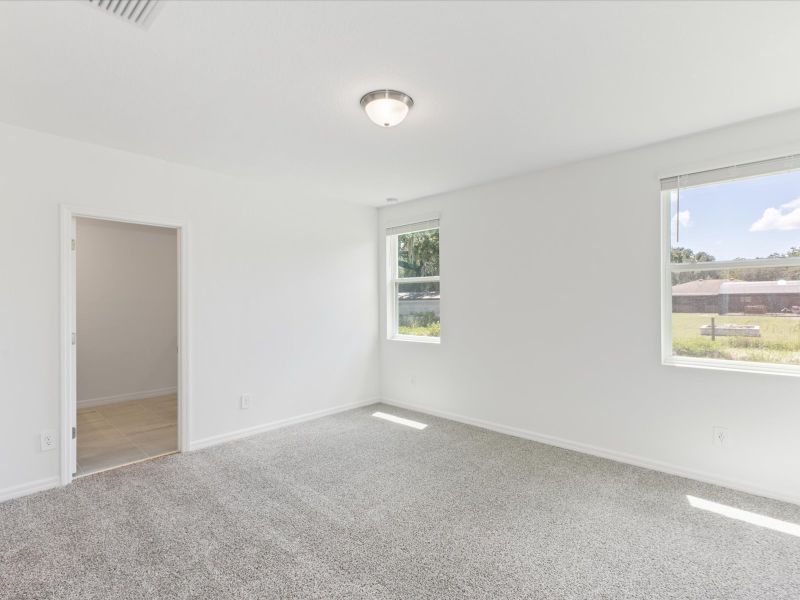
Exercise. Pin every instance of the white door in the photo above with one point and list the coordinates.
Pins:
(72, 407)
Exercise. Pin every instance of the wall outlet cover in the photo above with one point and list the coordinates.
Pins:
(48, 440)
(245, 401)
(720, 436)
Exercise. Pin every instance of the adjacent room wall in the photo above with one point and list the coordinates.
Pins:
(127, 311)
(551, 320)
(283, 301)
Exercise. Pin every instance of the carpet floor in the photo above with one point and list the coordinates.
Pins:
(352, 506)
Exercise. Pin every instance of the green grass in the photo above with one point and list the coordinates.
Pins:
(432, 330)
(779, 341)
(424, 323)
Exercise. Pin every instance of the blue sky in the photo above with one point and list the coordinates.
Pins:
(747, 218)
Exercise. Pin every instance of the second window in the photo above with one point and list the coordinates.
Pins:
(414, 287)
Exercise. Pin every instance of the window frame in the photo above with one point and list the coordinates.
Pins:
(393, 280)
(668, 268)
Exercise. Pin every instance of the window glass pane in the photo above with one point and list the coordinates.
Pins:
(418, 253)
(757, 217)
(755, 312)
(418, 309)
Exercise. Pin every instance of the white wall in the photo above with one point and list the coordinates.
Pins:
(535, 359)
(284, 306)
(282, 291)
(127, 310)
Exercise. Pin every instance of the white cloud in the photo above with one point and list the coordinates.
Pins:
(793, 204)
(785, 218)
(684, 218)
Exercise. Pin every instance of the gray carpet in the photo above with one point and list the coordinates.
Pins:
(351, 506)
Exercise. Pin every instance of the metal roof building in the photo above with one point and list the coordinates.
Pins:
(732, 296)
(714, 287)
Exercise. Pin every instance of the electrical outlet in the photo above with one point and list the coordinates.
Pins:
(48, 440)
(721, 436)
(245, 401)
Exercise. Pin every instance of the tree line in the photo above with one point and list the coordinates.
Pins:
(418, 253)
(687, 255)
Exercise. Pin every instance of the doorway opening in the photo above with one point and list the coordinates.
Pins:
(123, 297)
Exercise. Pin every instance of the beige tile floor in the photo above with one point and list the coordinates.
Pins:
(117, 434)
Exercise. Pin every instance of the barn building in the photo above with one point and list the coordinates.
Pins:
(723, 296)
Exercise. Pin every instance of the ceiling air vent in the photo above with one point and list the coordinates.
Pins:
(137, 12)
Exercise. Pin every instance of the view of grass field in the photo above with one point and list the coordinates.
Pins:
(779, 342)
(433, 330)
(424, 324)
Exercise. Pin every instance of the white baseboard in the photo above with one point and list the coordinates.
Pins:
(631, 459)
(15, 491)
(742, 486)
(45, 484)
(247, 432)
(87, 402)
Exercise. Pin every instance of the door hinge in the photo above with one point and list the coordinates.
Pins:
(74, 338)
(73, 244)
(74, 432)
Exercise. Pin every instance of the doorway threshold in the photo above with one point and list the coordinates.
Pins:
(79, 475)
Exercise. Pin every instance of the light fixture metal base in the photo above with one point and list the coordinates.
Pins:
(391, 94)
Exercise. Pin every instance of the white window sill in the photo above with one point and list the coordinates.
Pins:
(420, 339)
(741, 366)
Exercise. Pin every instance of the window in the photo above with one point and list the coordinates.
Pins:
(413, 274)
(732, 267)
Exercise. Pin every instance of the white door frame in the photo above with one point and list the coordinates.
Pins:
(69, 378)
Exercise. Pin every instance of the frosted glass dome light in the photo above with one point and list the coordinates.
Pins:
(386, 108)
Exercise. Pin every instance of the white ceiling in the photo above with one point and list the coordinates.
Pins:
(270, 90)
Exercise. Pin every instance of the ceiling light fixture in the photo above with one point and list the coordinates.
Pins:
(386, 108)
